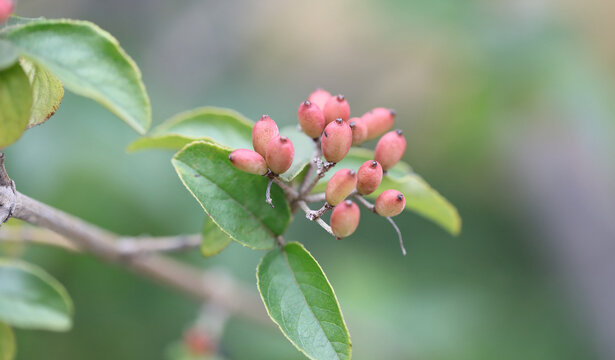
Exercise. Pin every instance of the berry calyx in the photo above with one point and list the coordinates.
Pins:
(319, 98)
(369, 177)
(311, 119)
(280, 154)
(378, 121)
(390, 203)
(336, 140)
(335, 108)
(342, 183)
(6, 9)
(248, 161)
(390, 149)
(263, 131)
(359, 130)
(345, 219)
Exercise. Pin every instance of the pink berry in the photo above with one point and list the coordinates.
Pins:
(342, 183)
(378, 121)
(345, 219)
(248, 161)
(390, 149)
(369, 177)
(280, 153)
(311, 119)
(319, 97)
(336, 140)
(263, 131)
(335, 108)
(390, 203)
(359, 130)
(6, 9)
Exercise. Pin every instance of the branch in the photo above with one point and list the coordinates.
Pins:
(320, 197)
(318, 220)
(364, 202)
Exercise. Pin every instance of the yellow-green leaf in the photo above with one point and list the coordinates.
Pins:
(47, 92)
(15, 104)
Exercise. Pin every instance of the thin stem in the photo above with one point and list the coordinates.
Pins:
(268, 193)
(313, 167)
(401, 241)
(320, 197)
(316, 214)
(290, 192)
(303, 205)
(364, 202)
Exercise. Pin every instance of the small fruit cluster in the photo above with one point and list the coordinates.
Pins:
(326, 119)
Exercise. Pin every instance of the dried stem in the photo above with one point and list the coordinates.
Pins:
(401, 241)
(303, 205)
(316, 214)
(268, 193)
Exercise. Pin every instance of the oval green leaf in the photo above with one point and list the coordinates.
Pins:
(7, 342)
(47, 92)
(224, 126)
(234, 200)
(300, 300)
(214, 239)
(15, 104)
(32, 299)
(304, 150)
(89, 62)
(420, 197)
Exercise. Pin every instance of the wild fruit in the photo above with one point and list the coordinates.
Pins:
(345, 219)
(311, 119)
(378, 121)
(342, 183)
(6, 9)
(319, 97)
(390, 149)
(369, 177)
(359, 130)
(263, 131)
(336, 140)
(390, 203)
(248, 161)
(335, 108)
(280, 153)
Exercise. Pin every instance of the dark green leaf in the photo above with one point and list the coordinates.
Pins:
(223, 126)
(47, 92)
(8, 54)
(7, 342)
(15, 104)
(299, 298)
(32, 299)
(304, 150)
(234, 200)
(89, 62)
(214, 239)
(420, 197)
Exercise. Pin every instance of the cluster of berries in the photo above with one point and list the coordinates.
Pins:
(326, 119)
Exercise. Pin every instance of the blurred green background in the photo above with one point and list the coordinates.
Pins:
(508, 110)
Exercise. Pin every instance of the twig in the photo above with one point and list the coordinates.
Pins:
(401, 242)
(313, 167)
(302, 204)
(268, 193)
(364, 202)
(292, 193)
(315, 198)
(317, 214)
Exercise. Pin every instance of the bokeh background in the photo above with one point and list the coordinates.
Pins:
(508, 109)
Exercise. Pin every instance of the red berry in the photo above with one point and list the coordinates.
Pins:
(359, 130)
(6, 9)
(248, 161)
(369, 177)
(345, 219)
(336, 140)
(390, 149)
(263, 131)
(390, 203)
(378, 121)
(319, 97)
(280, 153)
(335, 108)
(342, 183)
(311, 119)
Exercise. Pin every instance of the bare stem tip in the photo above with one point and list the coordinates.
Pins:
(401, 241)
(268, 199)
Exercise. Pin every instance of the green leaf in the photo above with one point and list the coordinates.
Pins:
(8, 54)
(32, 299)
(223, 126)
(47, 93)
(15, 104)
(304, 150)
(420, 197)
(7, 342)
(234, 200)
(300, 300)
(214, 239)
(89, 62)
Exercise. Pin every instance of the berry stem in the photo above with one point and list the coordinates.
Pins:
(320, 197)
(316, 214)
(302, 204)
(268, 193)
(401, 241)
(364, 202)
